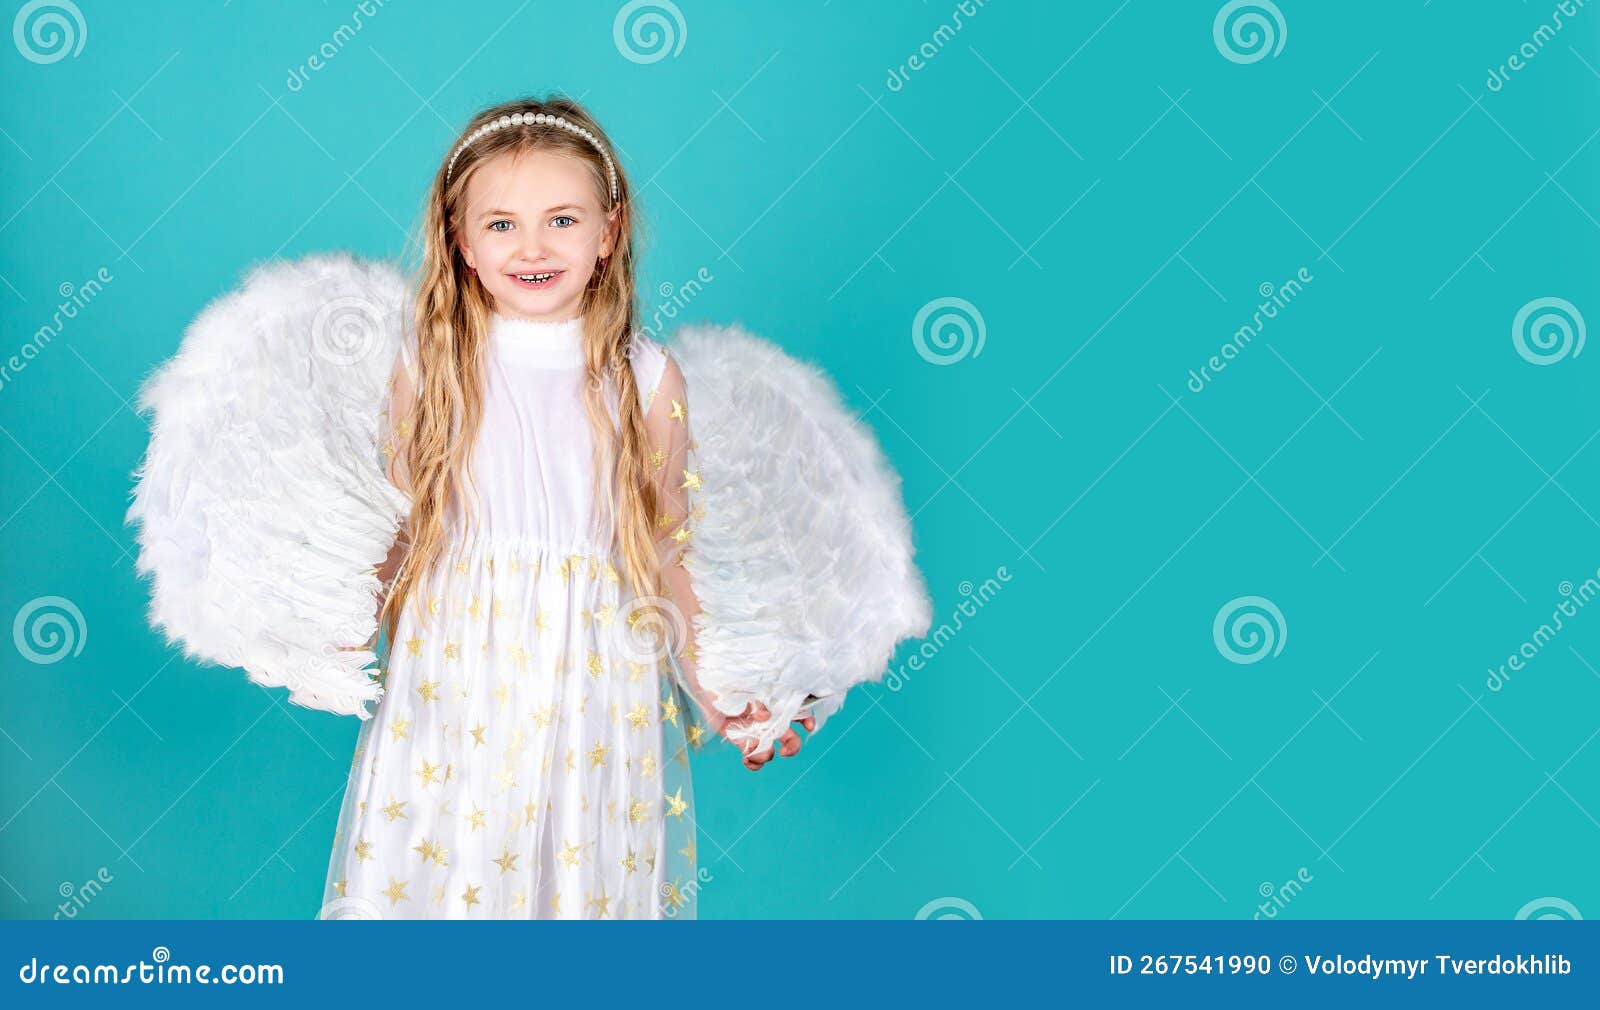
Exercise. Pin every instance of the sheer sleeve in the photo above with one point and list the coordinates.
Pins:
(396, 426)
(397, 416)
(675, 474)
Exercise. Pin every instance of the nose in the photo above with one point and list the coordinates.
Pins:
(532, 247)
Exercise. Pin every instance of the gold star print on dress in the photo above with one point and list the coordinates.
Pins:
(529, 756)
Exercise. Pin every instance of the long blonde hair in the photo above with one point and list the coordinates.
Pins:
(451, 318)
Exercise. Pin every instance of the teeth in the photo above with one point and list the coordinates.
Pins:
(535, 277)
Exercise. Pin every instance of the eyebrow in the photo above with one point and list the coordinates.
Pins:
(508, 213)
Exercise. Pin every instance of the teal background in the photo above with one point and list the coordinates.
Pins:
(1109, 192)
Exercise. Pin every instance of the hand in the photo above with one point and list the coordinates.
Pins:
(787, 744)
(730, 726)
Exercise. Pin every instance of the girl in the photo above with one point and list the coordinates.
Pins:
(528, 757)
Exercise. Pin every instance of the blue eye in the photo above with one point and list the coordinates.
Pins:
(565, 217)
(493, 223)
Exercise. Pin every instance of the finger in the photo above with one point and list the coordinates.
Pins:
(752, 761)
(810, 723)
(742, 726)
(789, 743)
(762, 756)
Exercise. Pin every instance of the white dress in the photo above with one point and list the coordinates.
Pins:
(528, 758)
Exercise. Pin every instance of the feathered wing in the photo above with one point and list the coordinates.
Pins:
(263, 503)
(794, 535)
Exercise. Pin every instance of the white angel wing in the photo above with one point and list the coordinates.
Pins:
(802, 556)
(264, 506)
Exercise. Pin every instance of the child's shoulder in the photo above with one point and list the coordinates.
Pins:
(649, 357)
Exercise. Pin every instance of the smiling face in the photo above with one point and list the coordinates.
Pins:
(532, 229)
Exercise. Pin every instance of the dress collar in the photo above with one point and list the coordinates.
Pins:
(554, 344)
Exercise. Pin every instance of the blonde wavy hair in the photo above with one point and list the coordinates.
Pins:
(451, 318)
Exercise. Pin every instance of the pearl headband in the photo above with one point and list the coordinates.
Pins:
(540, 119)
